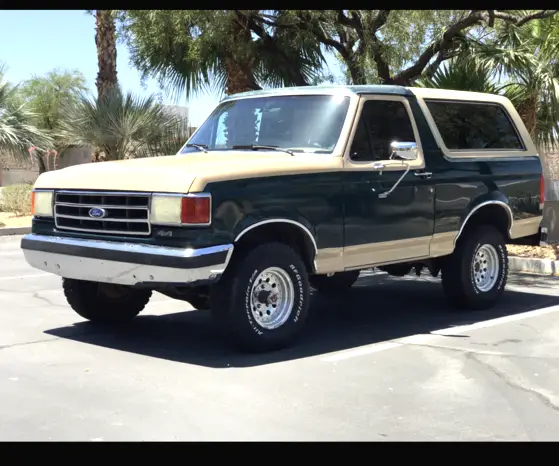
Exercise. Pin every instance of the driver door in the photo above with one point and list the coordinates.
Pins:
(398, 227)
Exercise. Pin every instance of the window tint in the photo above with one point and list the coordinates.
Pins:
(474, 126)
(381, 122)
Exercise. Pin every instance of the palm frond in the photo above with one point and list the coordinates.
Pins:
(462, 75)
(17, 131)
(166, 142)
(118, 125)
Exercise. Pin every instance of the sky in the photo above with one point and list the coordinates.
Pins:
(35, 42)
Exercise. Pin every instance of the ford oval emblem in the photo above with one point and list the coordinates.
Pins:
(97, 212)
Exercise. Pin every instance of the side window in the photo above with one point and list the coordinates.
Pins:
(381, 122)
(474, 126)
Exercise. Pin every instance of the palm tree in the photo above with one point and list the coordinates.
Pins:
(116, 126)
(105, 40)
(518, 62)
(227, 51)
(168, 141)
(18, 134)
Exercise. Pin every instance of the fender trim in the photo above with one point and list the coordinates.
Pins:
(483, 204)
(279, 220)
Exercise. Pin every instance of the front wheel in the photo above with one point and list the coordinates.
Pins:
(104, 302)
(475, 275)
(262, 301)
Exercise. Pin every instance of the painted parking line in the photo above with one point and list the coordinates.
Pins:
(420, 338)
(498, 321)
(362, 351)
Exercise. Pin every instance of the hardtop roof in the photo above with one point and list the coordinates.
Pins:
(385, 89)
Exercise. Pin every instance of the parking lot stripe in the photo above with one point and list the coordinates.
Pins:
(364, 350)
(498, 321)
(459, 329)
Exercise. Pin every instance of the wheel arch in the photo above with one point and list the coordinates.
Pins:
(285, 230)
(496, 212)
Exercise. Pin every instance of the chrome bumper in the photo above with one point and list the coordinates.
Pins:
(124, 263)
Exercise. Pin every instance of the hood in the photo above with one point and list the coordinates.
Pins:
(184, 173)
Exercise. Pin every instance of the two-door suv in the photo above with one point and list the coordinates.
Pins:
(282, 190)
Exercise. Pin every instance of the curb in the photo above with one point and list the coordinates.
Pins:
(532, 265)
(15, 231)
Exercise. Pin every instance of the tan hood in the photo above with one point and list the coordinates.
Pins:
(184, 173)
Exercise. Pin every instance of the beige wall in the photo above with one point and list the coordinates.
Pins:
(73, 156)
(17, 176)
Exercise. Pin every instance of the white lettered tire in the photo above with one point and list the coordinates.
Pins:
(475, 275)
(262, 301)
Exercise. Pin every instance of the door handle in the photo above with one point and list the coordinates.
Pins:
(426, 175)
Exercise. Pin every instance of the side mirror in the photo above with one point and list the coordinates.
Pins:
(404, 150)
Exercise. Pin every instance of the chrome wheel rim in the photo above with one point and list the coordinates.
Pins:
(272, 298)
(485, 267)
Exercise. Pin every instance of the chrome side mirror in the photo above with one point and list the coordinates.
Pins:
(404, 150)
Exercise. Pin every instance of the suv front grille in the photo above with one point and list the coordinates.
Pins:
(110, 213)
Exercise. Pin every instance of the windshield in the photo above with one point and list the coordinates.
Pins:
(300, 123)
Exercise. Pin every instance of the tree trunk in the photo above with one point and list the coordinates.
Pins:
(41, 163)
(239, 64)
(356, 71)
(528, 112)
(105, 40)
(239, 76)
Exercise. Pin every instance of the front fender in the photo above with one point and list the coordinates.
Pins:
(232, 219)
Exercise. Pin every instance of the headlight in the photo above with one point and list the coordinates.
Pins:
(177, 209)
(41, 203)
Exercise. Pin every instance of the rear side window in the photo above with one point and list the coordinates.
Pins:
(474, 126)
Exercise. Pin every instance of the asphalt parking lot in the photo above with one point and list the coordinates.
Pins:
(388, 361)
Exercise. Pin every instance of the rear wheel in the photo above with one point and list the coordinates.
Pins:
(262, 300)
(337, 282)
(104, 302)
(475, 275)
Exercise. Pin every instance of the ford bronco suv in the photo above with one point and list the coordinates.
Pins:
(282, 190)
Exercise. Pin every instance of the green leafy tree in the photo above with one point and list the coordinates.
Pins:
(118, 126)
(518, 62)
(227, 51)
(18, 133)
(47, 95)
(396, 46)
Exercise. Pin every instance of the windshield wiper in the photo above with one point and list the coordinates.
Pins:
(258, 147)
(202, 147)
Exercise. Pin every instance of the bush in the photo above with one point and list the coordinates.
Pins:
(17, 199)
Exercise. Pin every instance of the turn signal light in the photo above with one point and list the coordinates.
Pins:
(41, 203)
(195, 210)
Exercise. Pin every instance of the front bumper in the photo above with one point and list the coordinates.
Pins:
(125, 263)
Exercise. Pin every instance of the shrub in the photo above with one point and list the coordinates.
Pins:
(17, 199)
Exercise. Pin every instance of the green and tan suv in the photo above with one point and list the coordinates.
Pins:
(282, 190)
